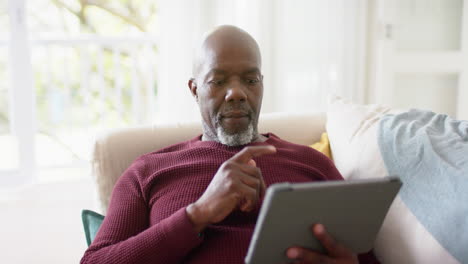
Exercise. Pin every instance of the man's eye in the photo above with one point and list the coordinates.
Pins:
(252, 81)
(216, 82)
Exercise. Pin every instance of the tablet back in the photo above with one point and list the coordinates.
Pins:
(352, 212)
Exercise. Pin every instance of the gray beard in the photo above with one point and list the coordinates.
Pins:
(238, 139)
(241, 138)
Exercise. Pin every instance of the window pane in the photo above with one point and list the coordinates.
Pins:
(9, 150)
(3, 20)
(81, 89)
(86, 82)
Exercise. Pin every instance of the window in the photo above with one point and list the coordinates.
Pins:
(92, 67)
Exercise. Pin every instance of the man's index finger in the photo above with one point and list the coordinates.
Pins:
(250, 152)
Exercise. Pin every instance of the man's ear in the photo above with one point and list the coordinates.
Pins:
(192, 84)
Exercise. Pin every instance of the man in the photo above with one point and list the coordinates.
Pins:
(197, 201)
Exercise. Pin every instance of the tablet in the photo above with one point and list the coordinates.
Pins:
(352, 212)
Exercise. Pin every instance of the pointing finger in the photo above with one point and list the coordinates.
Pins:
(247, 153)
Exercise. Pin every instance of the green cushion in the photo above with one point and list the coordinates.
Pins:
(91, 223)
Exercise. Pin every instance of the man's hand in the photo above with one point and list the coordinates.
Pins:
(337, 253)
(238, 184)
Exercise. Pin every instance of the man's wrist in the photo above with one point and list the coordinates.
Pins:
(197, 217)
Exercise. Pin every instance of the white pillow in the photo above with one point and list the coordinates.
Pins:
(352, 130)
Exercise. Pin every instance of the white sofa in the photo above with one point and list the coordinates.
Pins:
(352, 130)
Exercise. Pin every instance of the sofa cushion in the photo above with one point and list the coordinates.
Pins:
(323, 145)
(91, 223)
(353, 133)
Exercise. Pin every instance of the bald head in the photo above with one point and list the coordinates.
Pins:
(222, 39)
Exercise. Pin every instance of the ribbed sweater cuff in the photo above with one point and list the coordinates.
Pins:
(179, 232)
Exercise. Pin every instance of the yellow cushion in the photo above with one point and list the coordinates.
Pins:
(323, 145)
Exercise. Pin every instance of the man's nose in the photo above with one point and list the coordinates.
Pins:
(236, 92)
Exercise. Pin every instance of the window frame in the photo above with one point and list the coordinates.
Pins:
(21, 97)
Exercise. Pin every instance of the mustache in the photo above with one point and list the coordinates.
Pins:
(239, 108)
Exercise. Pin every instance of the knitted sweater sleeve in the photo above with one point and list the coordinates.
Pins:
(126, 236)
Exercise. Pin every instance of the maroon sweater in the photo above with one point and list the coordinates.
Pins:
(146, 221)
